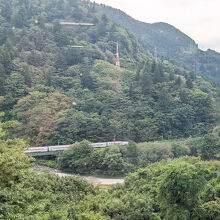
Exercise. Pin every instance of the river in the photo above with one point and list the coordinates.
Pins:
(98, 180)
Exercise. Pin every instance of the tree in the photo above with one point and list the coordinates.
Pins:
(146, 82)
(77, 126)
(5, 67)
(179, 190)
(132, 153)
(15, 85)
(210, 147)
(6, 9)
(145, 130)
(157, 71)
(178, 81)
(20, 18)
(113, 161)
(40, 114)
(77, 158)
(164, 100)
(87, 79)
(13, 161)
(179, 150)
(189, 84)
(116, 128)
(129, 206)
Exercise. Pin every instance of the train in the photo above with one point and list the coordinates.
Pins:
(65, 147)
(106, 144)
(46, 149)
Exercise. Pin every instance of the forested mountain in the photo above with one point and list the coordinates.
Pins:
(60, 82)
(59, 85)
(167, 42)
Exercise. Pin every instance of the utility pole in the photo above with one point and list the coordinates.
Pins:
(117, 56)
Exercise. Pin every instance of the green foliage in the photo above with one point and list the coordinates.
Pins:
(206, 147)
(26, 194)
(179, 150)
(46, 162)
(5, 66)
(189, 83)
(129, 206)
(211, 210)
(77, 126)
(153, 152)
(42, 195)
(120, 160)
(132, 153)
(40, 113)
(179, 190)
(145, 100)
(210, 147)
(13, 162)
(77, 158)
(114, 160)
(185, 188)
(174, 189)
(194, 145)
(61, 93)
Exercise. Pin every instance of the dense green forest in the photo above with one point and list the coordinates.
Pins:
(185, 188)
(59, 85)
(54, 88)
(120, 160)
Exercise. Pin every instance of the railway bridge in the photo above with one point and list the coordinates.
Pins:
(58, 149)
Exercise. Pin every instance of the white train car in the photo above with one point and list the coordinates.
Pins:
(58, 148)
(106, 144)
(65, 147)
(99, 145)
(36, 149)
(120, 142)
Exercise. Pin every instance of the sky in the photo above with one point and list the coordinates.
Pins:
(199, 19)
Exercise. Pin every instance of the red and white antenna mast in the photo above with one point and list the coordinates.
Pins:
(117, 56)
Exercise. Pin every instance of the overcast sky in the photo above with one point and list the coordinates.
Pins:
(199, 19)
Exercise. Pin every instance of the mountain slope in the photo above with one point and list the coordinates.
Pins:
(61, 84)
(167, 42)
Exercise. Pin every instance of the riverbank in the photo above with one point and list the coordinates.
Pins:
(97, 180)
